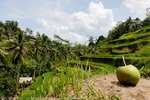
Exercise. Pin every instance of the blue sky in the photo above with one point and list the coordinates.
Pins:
(74, 20)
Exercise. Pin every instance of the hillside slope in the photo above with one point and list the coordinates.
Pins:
(135, 46)
(109, 85)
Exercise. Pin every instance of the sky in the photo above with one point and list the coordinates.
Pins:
(73, 20)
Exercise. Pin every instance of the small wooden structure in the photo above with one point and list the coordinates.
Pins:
(25, 79)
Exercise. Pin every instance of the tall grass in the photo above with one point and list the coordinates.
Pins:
(52, 84)
(93, 94)
(145, 70)
(66, 82)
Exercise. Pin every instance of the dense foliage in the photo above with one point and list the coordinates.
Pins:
(129, 25)
(25, 54)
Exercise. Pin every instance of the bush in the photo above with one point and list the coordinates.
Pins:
(52, 83)
(145, 70)
(8, 87)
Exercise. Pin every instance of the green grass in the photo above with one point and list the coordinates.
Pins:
(37, 84)
(95, 68)
(117, 61)
(128, 43)
(145, 52)
(139, 33)
(132, 36)
(92, 93)
(27, 94)
(57, 84)
(145, 70)
(135, 46)
(51, 84)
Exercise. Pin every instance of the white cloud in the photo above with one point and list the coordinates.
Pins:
(53, 17)
(44, 24)
(74, 37)
(79, 26)
(137, 7)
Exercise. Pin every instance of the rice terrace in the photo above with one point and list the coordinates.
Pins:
(75, 50)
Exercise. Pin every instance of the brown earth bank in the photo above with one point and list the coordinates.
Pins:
(109, 85)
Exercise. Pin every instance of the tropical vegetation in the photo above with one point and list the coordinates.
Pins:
(56, 65)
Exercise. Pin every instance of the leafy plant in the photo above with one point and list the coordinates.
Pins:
(52, 84)
(145, 70)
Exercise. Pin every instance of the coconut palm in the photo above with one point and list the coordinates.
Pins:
(40, 49)
(18, 47)
(3, 56)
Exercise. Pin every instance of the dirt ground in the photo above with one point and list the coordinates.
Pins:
(110, 85)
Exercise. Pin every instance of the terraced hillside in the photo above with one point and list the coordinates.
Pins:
(135, 46)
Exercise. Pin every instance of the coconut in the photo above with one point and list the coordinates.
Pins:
(128, 75)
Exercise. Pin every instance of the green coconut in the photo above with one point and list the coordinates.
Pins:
(128, 75)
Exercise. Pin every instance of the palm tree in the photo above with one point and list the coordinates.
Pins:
(11, 28)
(18, 49)
(3, 55)
(91, 45)
(40, 49)
(59, 39)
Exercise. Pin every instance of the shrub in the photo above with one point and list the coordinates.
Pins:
(145, 70)
(8, 86)
(52, 83)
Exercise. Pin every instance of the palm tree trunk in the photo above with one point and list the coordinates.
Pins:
(18, 72)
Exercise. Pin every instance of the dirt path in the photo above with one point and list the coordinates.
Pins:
(110, 85)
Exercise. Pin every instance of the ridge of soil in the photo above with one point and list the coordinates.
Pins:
(109, 85)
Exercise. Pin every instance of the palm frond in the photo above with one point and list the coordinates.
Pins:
(61, 39)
